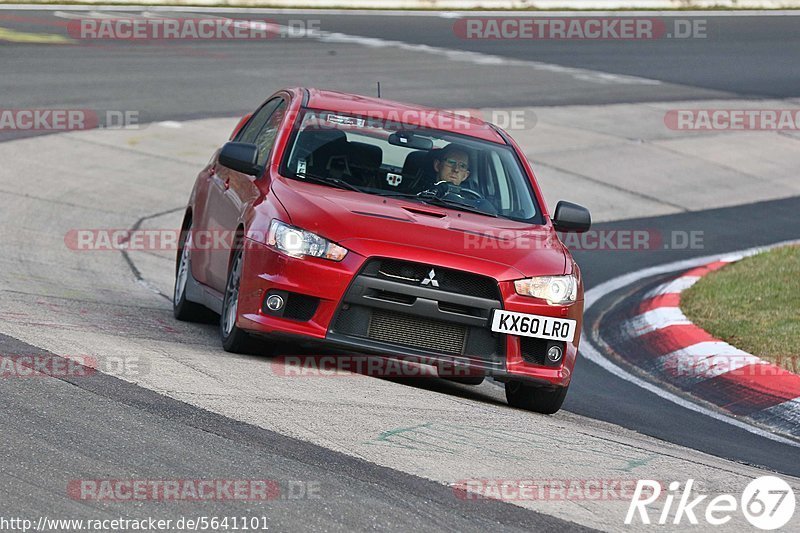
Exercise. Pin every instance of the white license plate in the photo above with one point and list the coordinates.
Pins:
(541, 327)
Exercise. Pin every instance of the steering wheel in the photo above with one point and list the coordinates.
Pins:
(442, 189)
(474, 194)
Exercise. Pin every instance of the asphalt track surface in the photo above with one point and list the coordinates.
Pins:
(745, 57)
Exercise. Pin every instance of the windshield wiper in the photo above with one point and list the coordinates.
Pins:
(327, 180)
(434, 200)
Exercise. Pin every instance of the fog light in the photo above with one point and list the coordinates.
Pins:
(554, 354)
(274, 302)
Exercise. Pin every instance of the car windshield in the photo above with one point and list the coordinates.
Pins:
(380, 157)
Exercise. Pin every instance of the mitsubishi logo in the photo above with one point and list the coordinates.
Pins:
(430, 280)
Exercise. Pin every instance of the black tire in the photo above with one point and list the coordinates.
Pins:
(234, 339)
(182, 308)
(532, 398)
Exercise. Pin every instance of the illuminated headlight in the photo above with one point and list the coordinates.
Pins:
(557, 290)
(299, 243)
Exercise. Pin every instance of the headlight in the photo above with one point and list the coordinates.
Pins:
(299, 243)
(557, 290)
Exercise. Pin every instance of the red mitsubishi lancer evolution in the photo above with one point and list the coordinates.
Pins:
(378, 227)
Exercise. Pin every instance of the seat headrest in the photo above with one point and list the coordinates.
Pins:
(414, 162)
(315, 141)
(364, 155)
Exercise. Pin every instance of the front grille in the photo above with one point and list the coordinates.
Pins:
(300, 306)
(389, 308)
(449, 280)
(533, 350)
(422, 333)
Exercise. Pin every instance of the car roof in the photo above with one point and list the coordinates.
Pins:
(415, 115)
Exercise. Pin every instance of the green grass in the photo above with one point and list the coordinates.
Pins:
(753, 304)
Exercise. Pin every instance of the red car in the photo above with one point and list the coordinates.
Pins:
(378, 227)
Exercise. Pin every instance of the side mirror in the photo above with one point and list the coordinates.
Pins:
(241, 157)
(571, 218)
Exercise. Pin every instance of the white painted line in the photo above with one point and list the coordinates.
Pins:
(96, 15)
(477, 58)
(590, 352)
(732, 258)
(184, 15)
(675, 286)
(654, 319)
(707, 349)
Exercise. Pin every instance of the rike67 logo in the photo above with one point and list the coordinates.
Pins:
(767, 502)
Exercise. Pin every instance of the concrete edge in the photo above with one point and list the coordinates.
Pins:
(684, 356)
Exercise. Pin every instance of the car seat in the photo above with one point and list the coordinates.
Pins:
(418, 171)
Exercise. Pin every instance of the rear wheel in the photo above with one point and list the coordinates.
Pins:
(532, 398)
(182, 308)
(233, 339)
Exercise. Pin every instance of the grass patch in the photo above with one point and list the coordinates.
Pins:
(753, 304)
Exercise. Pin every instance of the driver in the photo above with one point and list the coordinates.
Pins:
(452, 165)
(452, 168)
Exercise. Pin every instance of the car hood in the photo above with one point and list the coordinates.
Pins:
(396, 227)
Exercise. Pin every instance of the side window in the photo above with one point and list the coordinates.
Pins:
(251, 129)
(502, 179)
(266, 137)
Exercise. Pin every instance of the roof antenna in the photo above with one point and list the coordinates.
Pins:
(379, 89)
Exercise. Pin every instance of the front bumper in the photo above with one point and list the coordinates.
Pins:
(368, 306)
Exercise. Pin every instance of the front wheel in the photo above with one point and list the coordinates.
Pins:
(537, 399)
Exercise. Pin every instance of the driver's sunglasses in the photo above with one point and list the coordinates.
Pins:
(457, 165)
